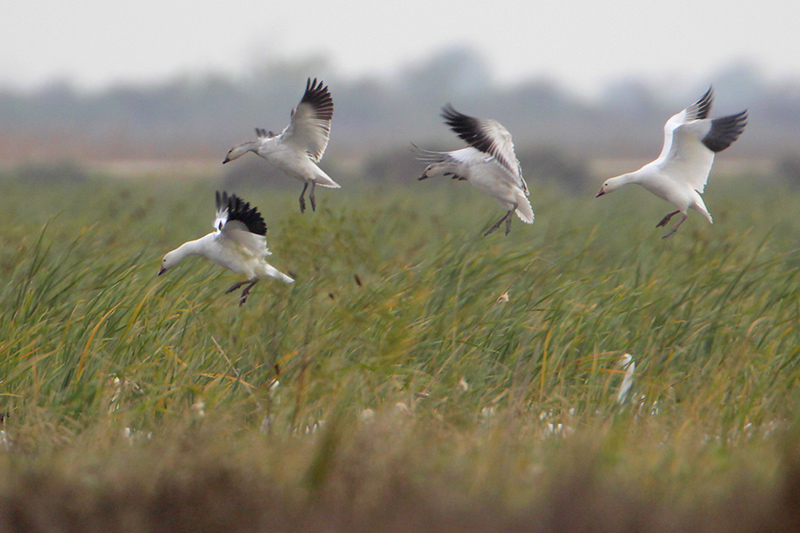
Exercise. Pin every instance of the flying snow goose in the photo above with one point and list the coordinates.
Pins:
(489, 163)
(238, 243)
(680, 173)
(297, 150)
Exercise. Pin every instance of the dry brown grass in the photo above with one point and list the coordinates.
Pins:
(394, 474)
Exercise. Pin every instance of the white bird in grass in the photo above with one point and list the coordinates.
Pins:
(489, 163)
(680, 173)
(238, 243)
(298, 149)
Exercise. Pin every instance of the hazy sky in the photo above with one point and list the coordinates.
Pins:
(582, 43)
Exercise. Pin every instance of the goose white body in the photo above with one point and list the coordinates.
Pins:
(680, 173)
(301, 145)
(228, 253)
(489, 163)
(238, 243)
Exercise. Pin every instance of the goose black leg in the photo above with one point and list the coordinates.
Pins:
(666, 219)
(246, 291)
(673, 230)
(506, 219)
(236, 286)
(303, 198)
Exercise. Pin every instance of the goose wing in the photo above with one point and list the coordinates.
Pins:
(241, 224)
(697, 111)
(694, 144)
(488, 136)
(310, 126)
(468, 156)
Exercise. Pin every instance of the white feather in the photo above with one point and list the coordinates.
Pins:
(489, 163)
(680, 173)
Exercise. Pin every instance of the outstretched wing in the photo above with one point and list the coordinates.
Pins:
(694, 145)
(724, 131)
(488, 136)
(468, 156)
(310, 125)
(263, 134)
(240, 223)
(697, 111)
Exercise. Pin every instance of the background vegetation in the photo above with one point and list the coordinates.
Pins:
(197, 118)
(416, 376)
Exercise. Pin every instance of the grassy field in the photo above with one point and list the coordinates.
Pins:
(417, 376)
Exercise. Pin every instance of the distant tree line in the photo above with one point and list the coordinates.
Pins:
(199, 117)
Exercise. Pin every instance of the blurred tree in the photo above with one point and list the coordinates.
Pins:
(788, 169)
(43, 173)
(202, 116)
(455, 74)
(254, 172)
(393, 166)
(554, 165)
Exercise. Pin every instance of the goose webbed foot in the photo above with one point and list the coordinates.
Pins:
(236, 286)
(303, 198)
(666, 219)
(506, 219)
(673, 230)
(246, 291)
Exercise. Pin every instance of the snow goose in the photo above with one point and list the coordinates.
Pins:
(489, 163)
(680, 173)
(297, 150)
(238, 243)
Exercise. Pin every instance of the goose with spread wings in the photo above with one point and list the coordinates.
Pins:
(680, 173)
(489, 163)
(238, 243)
(297, 150)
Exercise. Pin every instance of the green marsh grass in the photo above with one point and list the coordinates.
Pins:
(466, 380)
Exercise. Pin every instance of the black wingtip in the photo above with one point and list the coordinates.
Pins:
(724, 131)
(240, 210)
(703, 105)
(450, 115)
(318, 95)
(467, 128)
